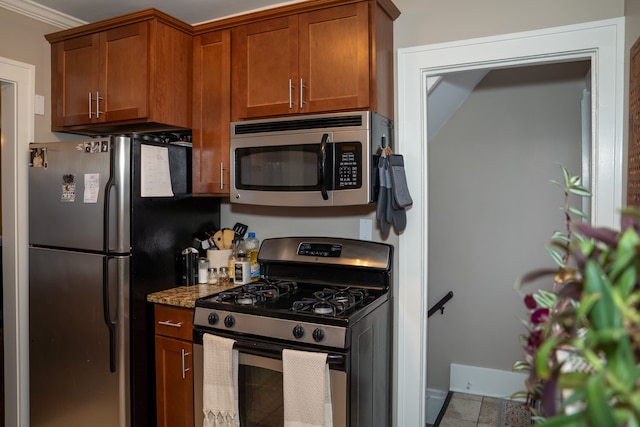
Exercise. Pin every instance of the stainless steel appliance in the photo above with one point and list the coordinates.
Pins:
(328, 295)
(316, 160)
(97, 248)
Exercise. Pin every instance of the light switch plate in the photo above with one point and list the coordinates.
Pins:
(365, 228)
(39, 105)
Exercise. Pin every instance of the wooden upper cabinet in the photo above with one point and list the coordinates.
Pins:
(305, 63)
(211, 112)
(265, 64)
(130, 71)
(334, 59)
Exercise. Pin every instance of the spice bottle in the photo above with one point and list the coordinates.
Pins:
(232, 258)
(242, 270)
(203, 270)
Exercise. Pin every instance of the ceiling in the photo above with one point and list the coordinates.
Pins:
(69, 13)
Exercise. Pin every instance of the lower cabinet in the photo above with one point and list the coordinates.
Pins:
(174, 366)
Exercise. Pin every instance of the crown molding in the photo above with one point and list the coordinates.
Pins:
(41, 13)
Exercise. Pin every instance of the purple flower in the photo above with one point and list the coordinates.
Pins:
(540, 315)
(530, 302)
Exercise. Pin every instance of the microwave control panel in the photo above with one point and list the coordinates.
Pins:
(348, 165)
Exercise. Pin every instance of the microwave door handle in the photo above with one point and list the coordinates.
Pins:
(322, 165)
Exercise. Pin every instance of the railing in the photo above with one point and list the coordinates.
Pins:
(440, 304)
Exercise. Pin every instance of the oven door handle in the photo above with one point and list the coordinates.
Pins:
(322, 166)
(266, 349)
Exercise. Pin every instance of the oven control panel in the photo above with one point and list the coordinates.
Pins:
(319, 250)
(272, 327)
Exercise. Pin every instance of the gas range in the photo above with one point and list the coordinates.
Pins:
(313, 291)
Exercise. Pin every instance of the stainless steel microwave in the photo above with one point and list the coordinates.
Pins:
(316, 160)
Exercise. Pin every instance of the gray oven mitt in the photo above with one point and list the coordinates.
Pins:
(383, 198)
(401, 196)
(395, 212)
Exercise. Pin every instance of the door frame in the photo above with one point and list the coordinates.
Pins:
(17, 83)
(601, 42)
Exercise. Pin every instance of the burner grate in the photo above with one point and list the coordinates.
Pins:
(331, 302)
(264, 291)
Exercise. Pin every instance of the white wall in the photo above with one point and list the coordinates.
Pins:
(434, 21)
(492, 209)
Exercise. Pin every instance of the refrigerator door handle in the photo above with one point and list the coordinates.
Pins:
(111, 324)
(107, 199)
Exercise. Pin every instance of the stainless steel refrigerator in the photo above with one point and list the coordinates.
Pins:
(108, 218)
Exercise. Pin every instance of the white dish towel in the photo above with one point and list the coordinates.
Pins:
(220, 382)
(307, 389)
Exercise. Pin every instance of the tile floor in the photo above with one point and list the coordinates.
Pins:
(469, 410)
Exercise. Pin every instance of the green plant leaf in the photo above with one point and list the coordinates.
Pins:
(598, 410)
(580, 191)
(543, 356)
(603, 314)
(573, 420)
(578, 212)
(556, 256)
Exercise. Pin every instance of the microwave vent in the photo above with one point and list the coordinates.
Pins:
(298, 124)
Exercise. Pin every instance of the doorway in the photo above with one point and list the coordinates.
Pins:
(491, 212)
(600, 43)
(17, 86)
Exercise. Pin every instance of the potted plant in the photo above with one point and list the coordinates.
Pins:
(582, 344)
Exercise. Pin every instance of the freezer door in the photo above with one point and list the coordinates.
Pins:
(69, 182)
(79, 345)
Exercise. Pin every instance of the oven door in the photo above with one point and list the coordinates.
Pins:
(260, 393)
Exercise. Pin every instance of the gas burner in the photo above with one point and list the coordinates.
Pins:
(329, 301)
(263, 291)
(246, 299)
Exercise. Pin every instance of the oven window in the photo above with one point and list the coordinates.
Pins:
(260, 397)
(291, 167)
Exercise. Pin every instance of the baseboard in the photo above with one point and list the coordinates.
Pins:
(485, 381)
(435, 402)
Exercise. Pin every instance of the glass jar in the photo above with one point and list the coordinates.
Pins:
(213, 276)
(223, 276)
(203, 270)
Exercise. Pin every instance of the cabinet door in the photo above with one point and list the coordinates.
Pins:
(174, 382)
(75, 67)
(265, 63)
(211, 112)
(334, 58)
(124, 78)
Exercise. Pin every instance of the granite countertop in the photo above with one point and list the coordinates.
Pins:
(185, 296)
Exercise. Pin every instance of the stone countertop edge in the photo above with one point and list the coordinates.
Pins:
(185, 296)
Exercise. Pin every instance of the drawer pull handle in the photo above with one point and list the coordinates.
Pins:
(170, 323)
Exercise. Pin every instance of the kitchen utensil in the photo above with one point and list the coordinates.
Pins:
(240, 230)
(223, 239)
(217, 239)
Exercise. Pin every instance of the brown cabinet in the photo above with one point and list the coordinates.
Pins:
(211, 112)
(132, 71)
(174, 366)
(331, 59)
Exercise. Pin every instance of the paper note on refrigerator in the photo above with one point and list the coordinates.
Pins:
(91, 187)
(155, 176)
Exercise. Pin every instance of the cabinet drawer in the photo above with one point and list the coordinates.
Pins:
(173, 322)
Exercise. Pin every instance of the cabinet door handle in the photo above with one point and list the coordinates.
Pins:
(90, 99)
(170, 323)
(221, 176)
(184, 364)
(302, 102)
(291, 89)
(98, 98)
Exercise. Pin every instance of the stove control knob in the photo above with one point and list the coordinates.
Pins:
(213, 318)
(229, 321)
(318, 335)
(298, 331)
